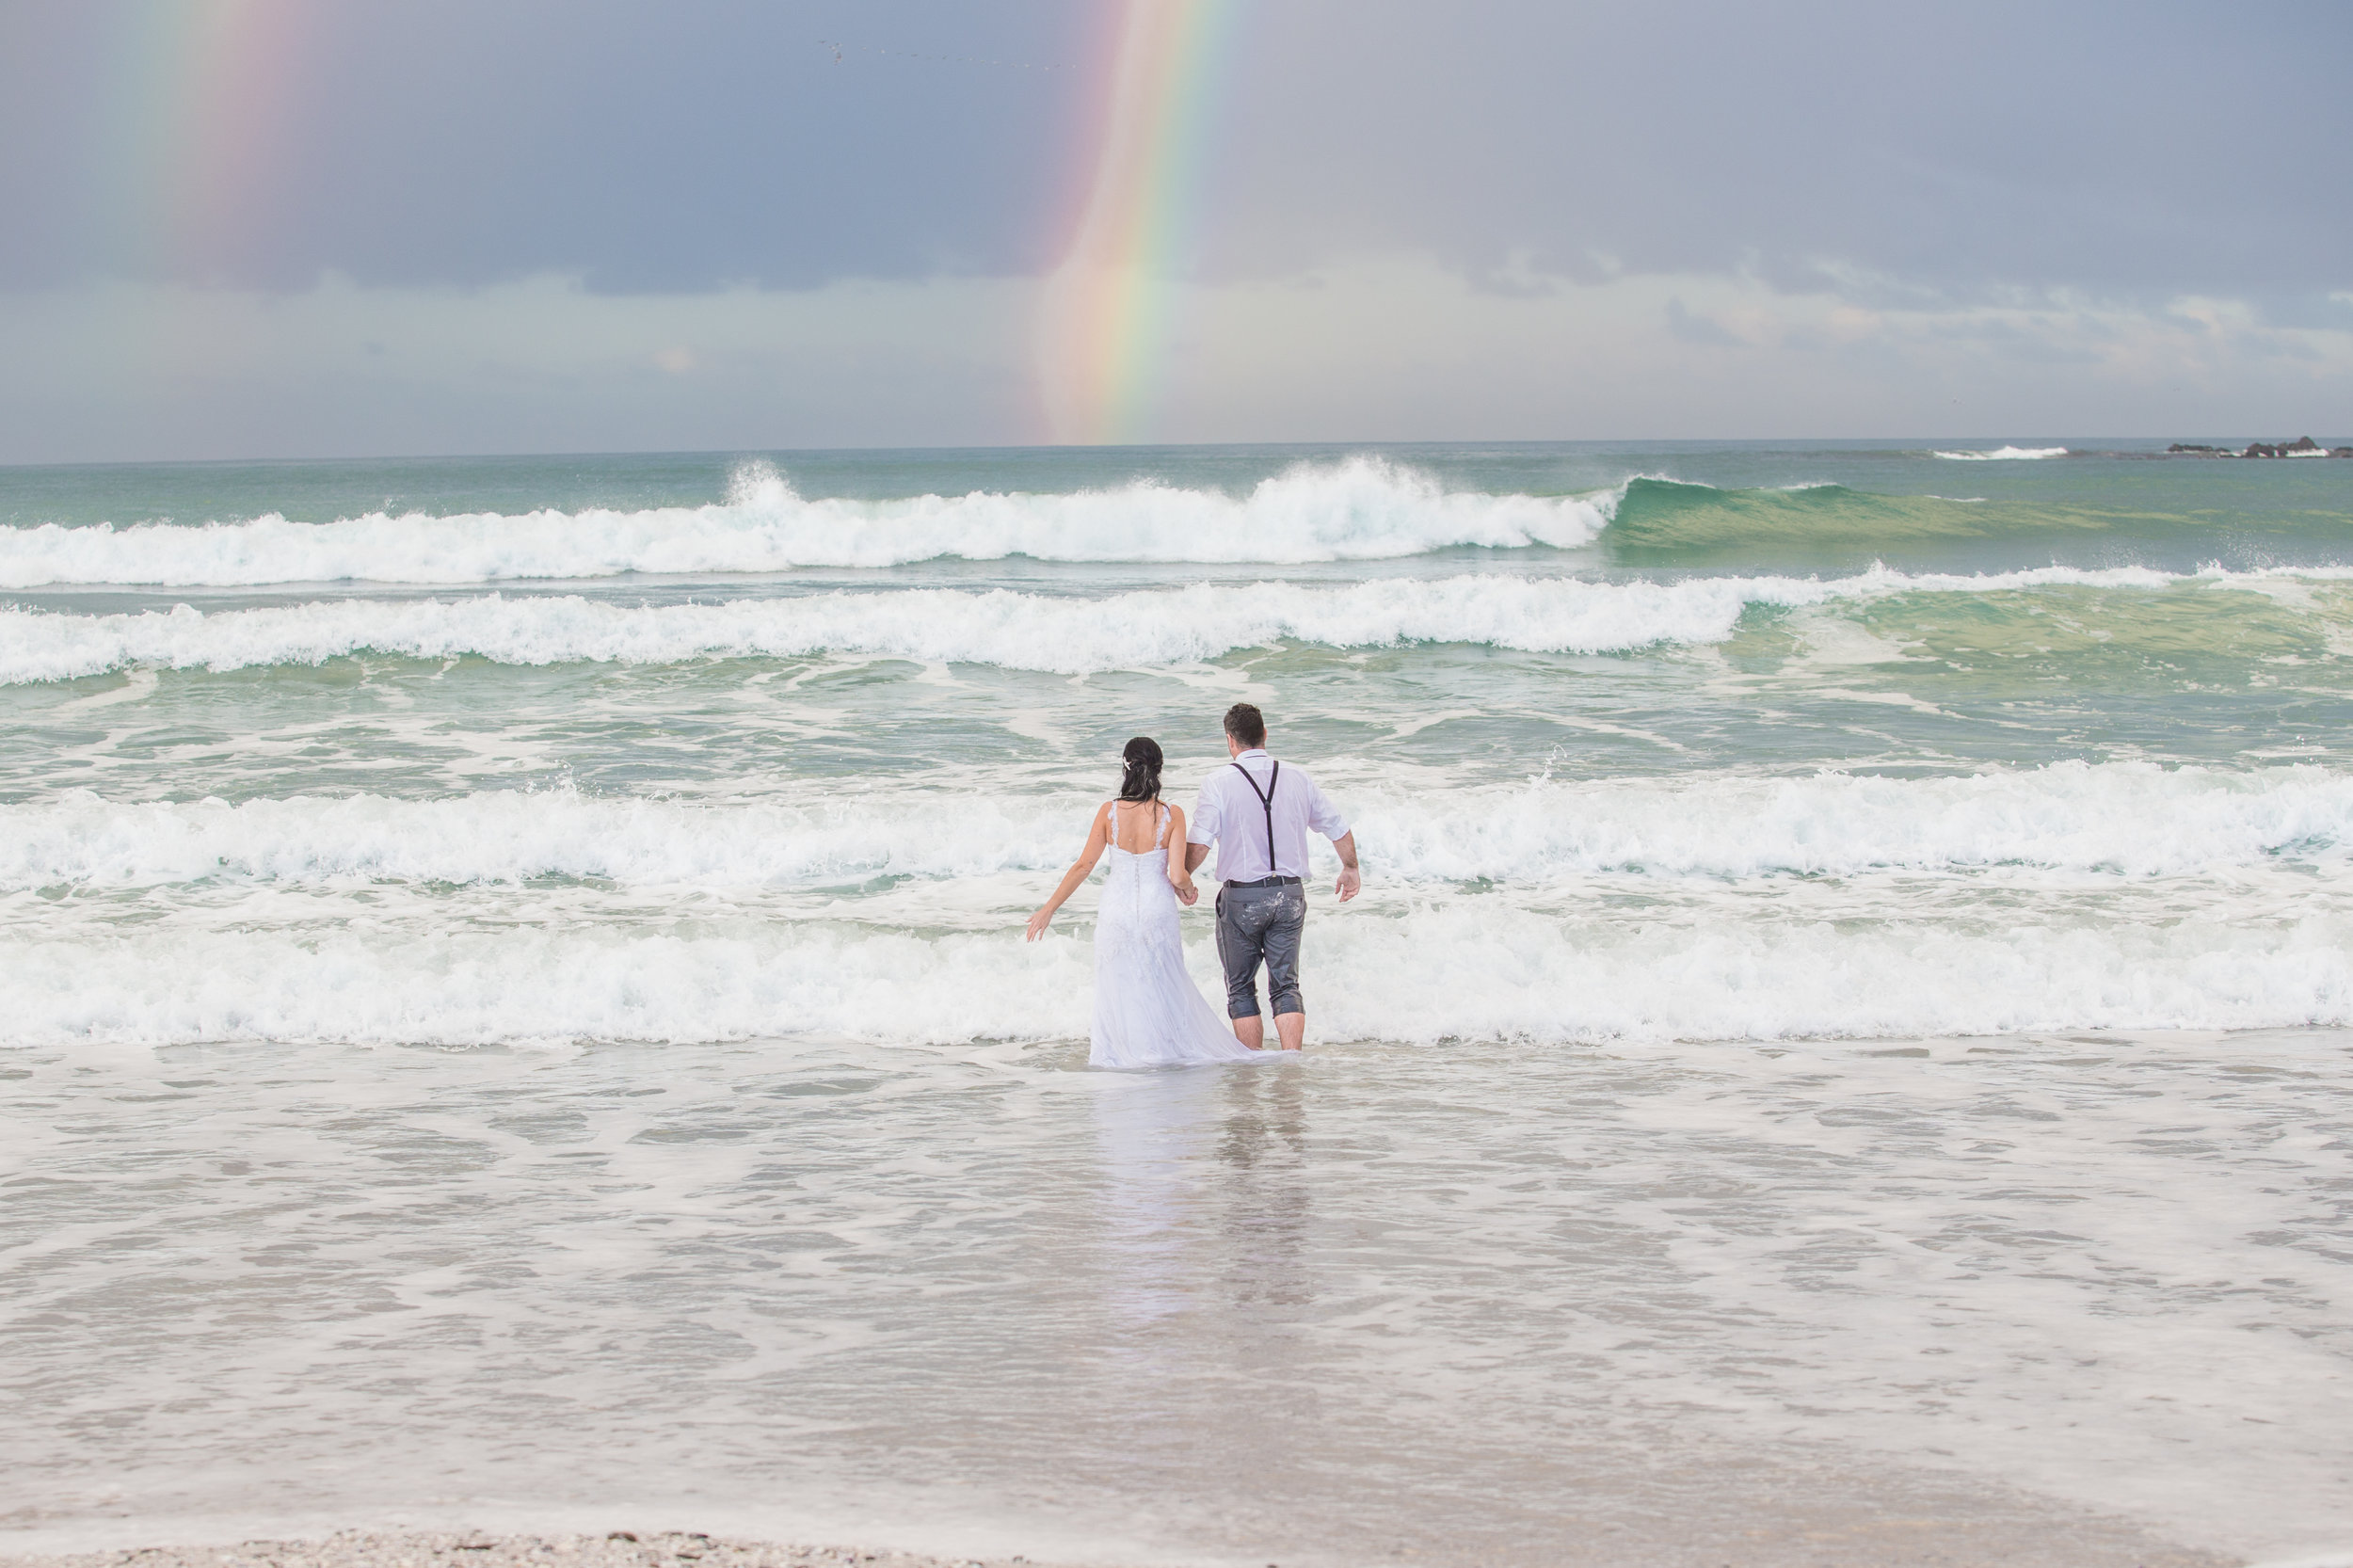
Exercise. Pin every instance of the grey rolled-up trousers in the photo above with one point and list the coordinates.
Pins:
(1258, 925)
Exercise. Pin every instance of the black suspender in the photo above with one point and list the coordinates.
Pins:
(1266, 798)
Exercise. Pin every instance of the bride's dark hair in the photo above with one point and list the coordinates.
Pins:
(1141, 781)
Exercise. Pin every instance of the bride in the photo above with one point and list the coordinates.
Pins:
(1147, 1011)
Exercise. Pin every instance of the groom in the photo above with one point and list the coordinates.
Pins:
(1257, 813)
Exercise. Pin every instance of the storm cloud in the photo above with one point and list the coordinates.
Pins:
(784, 224)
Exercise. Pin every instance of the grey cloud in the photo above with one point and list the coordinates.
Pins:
(640, 147)
(533, 226)
(1947, 151)
(1962, 150)
(1684, 325)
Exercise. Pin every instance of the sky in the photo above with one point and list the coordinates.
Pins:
(286, 228)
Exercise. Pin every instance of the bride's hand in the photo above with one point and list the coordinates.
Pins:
(1038, 922)
(1186, 895)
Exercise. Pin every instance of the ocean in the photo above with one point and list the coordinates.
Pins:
(513, 1005)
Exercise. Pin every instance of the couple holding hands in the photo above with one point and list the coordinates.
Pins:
(1257, 812)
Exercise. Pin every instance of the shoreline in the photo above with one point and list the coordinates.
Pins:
(1882, 1543)
(1994, 1536)
(390, 1548)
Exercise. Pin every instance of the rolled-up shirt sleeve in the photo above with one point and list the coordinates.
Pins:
(1202, 829)
(1322, 815)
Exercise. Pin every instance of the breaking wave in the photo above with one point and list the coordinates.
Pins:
(1059, 633)
(1708, 969)
(2127, 818)
(2004, 454)
(1364, 508)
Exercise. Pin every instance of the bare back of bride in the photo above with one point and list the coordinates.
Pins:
(1147, 1011)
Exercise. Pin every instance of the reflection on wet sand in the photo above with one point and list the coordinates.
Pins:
(1265, 1204)
(1205, 1183)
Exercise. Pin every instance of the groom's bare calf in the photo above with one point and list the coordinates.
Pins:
(1290, 1030)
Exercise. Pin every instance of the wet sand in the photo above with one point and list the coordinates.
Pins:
(470, 1549)
(1882, 1542)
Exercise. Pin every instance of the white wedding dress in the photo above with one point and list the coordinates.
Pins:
(1147, 1011)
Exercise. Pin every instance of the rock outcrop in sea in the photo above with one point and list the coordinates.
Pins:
(2302, 447)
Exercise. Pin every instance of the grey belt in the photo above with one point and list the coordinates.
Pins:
(1268, 882)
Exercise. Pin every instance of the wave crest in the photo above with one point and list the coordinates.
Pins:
(1058, 633)
(2004, 454)
(2123, 819)
(1000, 627)
(1364, 508)
(1477, 968)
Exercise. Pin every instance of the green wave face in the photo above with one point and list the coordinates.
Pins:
(1667, 517)
(2194, 663)
(2185, 623)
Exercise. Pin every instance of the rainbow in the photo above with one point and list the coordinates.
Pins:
(202, 88)
(196, 100)
(1108, 308)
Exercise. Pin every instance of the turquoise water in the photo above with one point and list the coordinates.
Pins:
(1903, 900)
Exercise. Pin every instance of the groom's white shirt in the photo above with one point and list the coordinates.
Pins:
(1228, 815)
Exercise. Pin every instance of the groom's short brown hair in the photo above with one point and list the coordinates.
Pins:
(1245, 723)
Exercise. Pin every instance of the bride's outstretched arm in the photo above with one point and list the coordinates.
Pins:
(1179, 863)
(1097, 834)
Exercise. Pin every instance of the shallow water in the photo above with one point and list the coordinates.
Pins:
(511, 1004)
(1487, 1302)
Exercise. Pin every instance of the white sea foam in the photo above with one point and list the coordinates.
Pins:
(1714, 967)
(514, 835)
(2129, 818)
(1064, 634)
(2132, 818)
(1021, 631)
(1360, 509)
(2005, 454)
